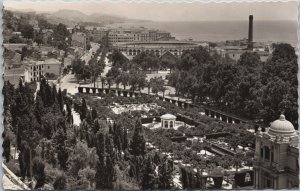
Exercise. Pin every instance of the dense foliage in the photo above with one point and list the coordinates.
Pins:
(251, 88)
(54, 153)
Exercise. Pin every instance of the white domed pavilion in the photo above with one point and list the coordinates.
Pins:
(168, 121)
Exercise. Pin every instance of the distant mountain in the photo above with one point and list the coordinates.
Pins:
(71, 17)
(20, 10)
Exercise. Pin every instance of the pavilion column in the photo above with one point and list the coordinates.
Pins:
(224, 118)
(218, 115)
(206, 112)
(212, 114)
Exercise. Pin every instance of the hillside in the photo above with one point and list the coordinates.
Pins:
(71, 17)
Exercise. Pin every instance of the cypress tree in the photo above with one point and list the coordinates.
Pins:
(39, 173)
(184, 178)
(125, 139)
(96, 126)
(60, 182)
(69, 113)
(110, 163)
(84, 110)
(100, 169)
(62, 154)
(89, 118)
(54, 94)
(48, 96)
(39, 108)
(20, 84)
(149, 177)
(6, 147)
(138, 143)
(117, 136)
(191, 181)
(94, 114)
(164, 175)
(156, 158)
(60, 100)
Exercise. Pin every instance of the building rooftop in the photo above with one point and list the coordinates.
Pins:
(52, 61)
(168, 117)
(173, 42)
(282, 127)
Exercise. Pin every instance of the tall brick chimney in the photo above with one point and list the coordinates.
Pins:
(250, 33)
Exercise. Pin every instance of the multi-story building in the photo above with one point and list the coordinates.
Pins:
(79, 39)
(13, 70)
(235, 52)
(159, 48)
(35, 70)
(99, 34)
(138, 35)
(164, 36)
(117, 36)
(276, 156)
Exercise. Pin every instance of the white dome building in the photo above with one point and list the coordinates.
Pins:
(168, 121)
(276, 156)
(282, 127)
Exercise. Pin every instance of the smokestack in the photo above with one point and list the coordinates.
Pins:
(250, 33)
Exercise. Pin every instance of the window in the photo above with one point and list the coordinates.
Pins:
(267, 153)
(171, 124)
(272, 157)
(262, 153)
(268, 183)
(166, 124)
(247, 177)
(48, 67)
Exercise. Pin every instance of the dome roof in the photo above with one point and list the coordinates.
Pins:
(282, 127)
(168, 117)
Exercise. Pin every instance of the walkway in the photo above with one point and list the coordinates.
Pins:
(87, 56)
(9, 185)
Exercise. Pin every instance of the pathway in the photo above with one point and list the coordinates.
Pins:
(9, 185)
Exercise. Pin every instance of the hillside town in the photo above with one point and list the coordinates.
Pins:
(133, 108)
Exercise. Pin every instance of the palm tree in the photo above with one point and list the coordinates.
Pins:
(148, 84)
(124, 78)
(238, 158)
(163, 91)
(103, 80)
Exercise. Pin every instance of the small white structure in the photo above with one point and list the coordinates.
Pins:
(168, 121)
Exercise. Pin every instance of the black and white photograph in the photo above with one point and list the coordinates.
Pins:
(132, 95)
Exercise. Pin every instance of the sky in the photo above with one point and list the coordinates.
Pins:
(196, 11)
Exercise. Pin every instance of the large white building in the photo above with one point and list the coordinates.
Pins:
(276, 156)
(159, 48)
(36, 69)
(117, 35)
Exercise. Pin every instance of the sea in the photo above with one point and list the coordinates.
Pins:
(217, 31)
